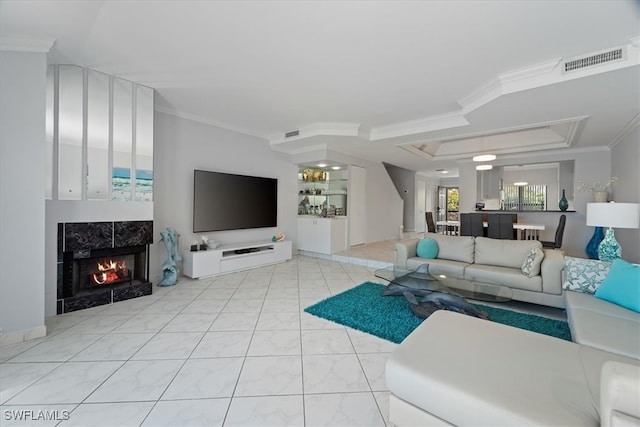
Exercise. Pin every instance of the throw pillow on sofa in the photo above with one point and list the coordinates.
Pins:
(622, 285)
(532, 262)
(584, 275)
(427, 248)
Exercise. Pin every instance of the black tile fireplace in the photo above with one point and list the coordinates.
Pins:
(102, 262)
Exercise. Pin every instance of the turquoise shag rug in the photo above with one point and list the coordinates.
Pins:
(364, 309)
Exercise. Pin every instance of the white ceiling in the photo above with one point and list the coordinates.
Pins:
(363, 77)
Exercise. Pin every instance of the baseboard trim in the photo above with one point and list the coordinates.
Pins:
(20, 336)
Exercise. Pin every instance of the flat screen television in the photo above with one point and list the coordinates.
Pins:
(223, 201)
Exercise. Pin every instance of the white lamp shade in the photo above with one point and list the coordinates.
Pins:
(616, 215)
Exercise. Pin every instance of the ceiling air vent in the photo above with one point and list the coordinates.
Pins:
(588, 61)
(292, 133)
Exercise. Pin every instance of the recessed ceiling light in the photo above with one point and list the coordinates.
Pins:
(484, 167)
(335, 168)
(484, 158)
(520, 183)
(322, 165)
(442, 170)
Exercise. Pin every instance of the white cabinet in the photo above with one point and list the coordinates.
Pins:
(322, 235)
(229, 258)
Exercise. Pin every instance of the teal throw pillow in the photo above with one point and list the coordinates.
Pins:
(427, 248)
(622, 285)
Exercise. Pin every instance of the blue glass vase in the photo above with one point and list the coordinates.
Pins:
(563, 204)
(592, 246)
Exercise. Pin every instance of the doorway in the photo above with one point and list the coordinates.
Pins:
(448, 204)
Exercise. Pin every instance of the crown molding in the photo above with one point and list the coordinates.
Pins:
(566, 138)
(634, 123)
(481, 96)
(429, 124)
(555, 152)
(505, 151)
(318, 129)
(496, 87)
(26, 45)
(202, 120)
(418, 152)
(577, 119)
(534, 71)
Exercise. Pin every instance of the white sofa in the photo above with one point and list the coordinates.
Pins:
(493, 262)
(603, 325)
(460, 370)
(483, 373)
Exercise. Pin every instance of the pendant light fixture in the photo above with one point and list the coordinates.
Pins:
(484, 158)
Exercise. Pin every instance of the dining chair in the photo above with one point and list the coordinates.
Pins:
(431, 225)
(557, 243)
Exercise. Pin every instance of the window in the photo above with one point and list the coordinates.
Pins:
(525, 198)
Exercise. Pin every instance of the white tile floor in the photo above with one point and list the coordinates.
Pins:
(236, 350)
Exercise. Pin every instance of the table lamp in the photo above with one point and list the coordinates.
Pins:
(612, 215)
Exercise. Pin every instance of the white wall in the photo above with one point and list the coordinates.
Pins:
(590, 166)
(183, 145)
(405, 182)
(625, 158)
(384, 205)
(22, 219)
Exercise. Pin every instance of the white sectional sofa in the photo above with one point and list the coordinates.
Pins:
(603, 325)
(460, 370)
(491, 261)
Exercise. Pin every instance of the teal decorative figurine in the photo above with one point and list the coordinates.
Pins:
(170, 266)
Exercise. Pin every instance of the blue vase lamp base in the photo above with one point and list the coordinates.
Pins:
(609, 249)
(592, 246)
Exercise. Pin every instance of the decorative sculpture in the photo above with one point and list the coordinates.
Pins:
(170, 266)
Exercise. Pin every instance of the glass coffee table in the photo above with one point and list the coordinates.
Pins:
(420, 281)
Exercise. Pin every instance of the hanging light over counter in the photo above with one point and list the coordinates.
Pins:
(484, 158)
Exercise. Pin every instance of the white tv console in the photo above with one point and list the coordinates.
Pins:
(226, 259)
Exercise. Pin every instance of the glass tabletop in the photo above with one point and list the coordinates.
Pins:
(421, 279)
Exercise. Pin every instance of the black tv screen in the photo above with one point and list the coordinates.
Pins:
(223, 201)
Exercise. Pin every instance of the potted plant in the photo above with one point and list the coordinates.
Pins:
(600, 191)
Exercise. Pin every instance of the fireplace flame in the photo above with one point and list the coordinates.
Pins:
(110, 271)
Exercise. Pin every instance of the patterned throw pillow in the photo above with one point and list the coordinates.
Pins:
(532, 262)
(584, 275)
